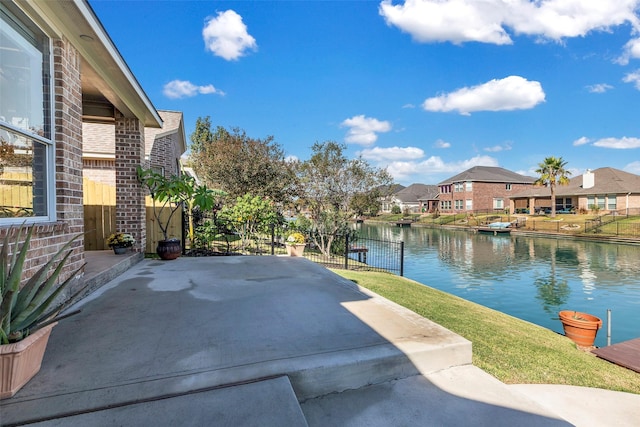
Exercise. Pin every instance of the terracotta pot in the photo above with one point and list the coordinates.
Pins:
(581, 328)
(296, 250)
(169, 249)
(20, 361)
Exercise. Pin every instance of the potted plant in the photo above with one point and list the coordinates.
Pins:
(168, 195)
(295, 244)
(26, 316)
(581, 328)
(120, 242)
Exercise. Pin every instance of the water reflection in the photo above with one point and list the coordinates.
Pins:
(528, 277)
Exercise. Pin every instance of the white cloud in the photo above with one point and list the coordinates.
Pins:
(631, 50)
(581, 141)
(510, 93)
(434, 166)
(177, 89)
(618, 143)
(226, 36)
(442, 144)
(498, 148)
(382, 155)
(363, 130)
(460, 21)
(456, 21)
(291, 159)
(633, 167)
(634, 78)
(599, 88)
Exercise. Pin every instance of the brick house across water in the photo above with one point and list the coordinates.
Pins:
(604, 189)
(481, 188)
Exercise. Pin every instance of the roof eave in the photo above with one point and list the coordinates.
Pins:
(76, 21)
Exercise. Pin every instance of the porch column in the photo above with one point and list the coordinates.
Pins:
(130, 197)
(532, 205)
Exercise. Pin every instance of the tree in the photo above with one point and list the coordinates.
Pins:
(366, 203)
(328, 182)
(237, 164)
(251, 216)
(552, 173)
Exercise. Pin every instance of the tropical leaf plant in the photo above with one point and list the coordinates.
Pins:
(26, 309)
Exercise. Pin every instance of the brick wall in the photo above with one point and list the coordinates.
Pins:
(163, 154)
(48, 238)
(100, 170)
(130, 200)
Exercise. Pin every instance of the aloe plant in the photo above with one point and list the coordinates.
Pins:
(27, 308)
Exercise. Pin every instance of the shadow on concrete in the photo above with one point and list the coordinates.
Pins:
(166, 330)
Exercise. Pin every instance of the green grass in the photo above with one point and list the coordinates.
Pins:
(512, 350)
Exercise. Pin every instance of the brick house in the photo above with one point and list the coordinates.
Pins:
(606, 189)
(59, 69)
(163, 147)
(481, 188)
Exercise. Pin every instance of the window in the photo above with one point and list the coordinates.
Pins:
(26, 146)
(468, 186)
(458, 187)
(612, 202)
(498, 204)
(469, 205)
(601, 201)
(590, 202)
(508, 187)
(458, 205)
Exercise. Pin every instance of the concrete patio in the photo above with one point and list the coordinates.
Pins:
(271, 341)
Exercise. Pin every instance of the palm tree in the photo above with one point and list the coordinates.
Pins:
(552, 172)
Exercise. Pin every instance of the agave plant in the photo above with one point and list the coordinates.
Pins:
(26, 309)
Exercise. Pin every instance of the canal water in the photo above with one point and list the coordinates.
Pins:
(531, 278)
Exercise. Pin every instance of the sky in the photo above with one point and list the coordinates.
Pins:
(423, 88)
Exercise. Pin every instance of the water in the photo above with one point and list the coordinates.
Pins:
(531, 278)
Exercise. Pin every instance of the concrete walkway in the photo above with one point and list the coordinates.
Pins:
(269, 341)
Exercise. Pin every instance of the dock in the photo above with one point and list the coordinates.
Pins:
(495, 228)
(404, 223)
(362, 253)
(494, 231)
(625, 354)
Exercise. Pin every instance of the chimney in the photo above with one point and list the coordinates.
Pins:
(588, 179)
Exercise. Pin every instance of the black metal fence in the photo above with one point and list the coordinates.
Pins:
(211, 236)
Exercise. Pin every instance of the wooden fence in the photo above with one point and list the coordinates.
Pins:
(16, 194)
(100, 218)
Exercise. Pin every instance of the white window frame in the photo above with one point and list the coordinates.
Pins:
(26, 26)
(498, 203)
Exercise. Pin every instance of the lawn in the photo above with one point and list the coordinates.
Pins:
(512, 350)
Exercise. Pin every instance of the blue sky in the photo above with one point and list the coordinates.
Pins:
(425, 88)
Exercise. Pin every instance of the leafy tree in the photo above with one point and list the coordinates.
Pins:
(251, 216)
(366, 203)
(328, 183)
(552, 173)
(239, 165)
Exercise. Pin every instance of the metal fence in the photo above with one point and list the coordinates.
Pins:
(211, 236)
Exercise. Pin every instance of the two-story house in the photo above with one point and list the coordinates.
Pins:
(481, 188)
